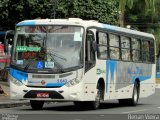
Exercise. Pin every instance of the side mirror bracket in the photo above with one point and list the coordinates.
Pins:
(9, 35)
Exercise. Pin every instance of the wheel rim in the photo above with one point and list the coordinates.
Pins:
(135, 97)
(97, 101)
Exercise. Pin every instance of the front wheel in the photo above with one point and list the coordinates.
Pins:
(36, 105)
(96, 104)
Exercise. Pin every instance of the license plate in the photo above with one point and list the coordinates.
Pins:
(42, 95)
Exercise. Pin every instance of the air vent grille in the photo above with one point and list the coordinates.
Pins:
(43, 76)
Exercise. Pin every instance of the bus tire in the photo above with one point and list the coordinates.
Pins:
(36, 105)
(135, 97)
(79, 104)
(96, 104)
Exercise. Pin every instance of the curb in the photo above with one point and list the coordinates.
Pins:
(14, 104)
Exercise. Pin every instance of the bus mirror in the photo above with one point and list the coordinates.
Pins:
(6, 46)
(7, 68)
(8, 39)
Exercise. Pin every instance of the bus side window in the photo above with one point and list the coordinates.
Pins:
(89, 51)
(151, 52)
(114, 50)
(145, 51)
(102, 45)
(8, 41)
(136, 47)
(125, 48)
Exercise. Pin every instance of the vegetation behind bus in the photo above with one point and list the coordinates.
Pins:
(106, 11)
(12, 12)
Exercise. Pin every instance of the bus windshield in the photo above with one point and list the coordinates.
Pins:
(47, 47)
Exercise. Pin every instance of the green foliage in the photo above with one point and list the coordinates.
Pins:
(124, 3)
(3, 11)
(102, 10)
(157, 37)
(143, 7)
(14, 11)
(145, 18)
(142, 15)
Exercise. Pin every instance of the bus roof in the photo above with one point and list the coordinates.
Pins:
(85, 23)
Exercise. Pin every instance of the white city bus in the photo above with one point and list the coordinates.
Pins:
(82, 61)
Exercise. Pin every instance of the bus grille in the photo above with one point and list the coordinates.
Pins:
(43, 76)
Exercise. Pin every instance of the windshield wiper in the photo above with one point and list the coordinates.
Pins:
(44, 55)
(58, 65)
(52, 53)
(27, 66)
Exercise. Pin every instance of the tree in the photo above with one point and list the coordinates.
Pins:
(105, 11)
(145, 5)
(3, 11)
(144, 19)
(122, 9)
(13, 11)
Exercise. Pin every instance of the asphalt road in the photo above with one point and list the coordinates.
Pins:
(147, 109)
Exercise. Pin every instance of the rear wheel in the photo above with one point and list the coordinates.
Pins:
(135, 97)
(36, 105)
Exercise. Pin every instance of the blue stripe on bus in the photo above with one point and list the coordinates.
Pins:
(110, 27)
(113, 66)
(110, 66)
(18, 75)
(141, 78)
(107, 71)
(54, 84)
(31, 23)
(157, 75)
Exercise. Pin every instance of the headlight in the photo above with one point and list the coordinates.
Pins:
(72, 82)
(14, 81)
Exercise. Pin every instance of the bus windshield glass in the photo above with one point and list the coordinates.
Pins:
(48, 47)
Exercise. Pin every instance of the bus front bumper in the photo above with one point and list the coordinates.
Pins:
(47, 94)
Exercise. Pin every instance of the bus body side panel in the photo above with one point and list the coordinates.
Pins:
(122, 76)
(147, 87)
(91, 78)
(119, 78)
